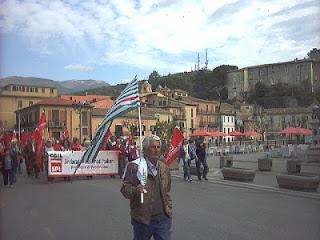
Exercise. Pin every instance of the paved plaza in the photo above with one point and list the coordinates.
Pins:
(217, 209)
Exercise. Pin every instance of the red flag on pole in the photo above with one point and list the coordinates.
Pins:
(129, 139)
(105, 140)
(175, 142)
(42, 123)
(5, 138)
(24, 138)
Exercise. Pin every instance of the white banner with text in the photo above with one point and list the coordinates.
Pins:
(64, 163)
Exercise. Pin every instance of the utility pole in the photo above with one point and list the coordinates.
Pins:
(198, 62)
(206, 67)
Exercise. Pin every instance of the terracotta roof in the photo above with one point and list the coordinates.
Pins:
(57, 101)
(105, 103)
(83, 99)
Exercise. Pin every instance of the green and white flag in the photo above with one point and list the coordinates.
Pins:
(127, 101)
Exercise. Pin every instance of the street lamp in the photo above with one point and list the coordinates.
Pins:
(77, 106)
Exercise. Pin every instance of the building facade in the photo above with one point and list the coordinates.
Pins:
(14, 97)
(60, 114)
(297, 72)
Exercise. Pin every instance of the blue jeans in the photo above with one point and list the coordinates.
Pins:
(160, 229)
(186, 169)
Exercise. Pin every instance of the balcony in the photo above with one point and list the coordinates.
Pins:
(56, 124)
(179, 117)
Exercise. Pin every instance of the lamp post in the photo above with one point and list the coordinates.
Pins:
(77, 106)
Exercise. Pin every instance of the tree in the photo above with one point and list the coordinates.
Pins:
(154, 76)
(314, 54)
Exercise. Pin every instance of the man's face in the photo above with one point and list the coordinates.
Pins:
(153, 151)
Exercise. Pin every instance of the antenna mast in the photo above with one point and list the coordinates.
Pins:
(206, 67)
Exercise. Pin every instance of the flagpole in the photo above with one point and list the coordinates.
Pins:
(140, 127)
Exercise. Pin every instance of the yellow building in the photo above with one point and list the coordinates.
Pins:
(183, 111)
(130, 122)
(60, 114)
(14, 97)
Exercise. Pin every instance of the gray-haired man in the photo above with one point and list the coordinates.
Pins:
(153, 217)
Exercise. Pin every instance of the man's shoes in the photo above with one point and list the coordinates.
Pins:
(205, 178)
(190, 179)
(199, 178)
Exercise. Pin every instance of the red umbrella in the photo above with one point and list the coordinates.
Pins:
(218, 134)
(251, 134)
(295, 131)
(235, 134)
(200, 133)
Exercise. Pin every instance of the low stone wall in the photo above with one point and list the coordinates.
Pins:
(265, 164)
(226, 161)
(298, 182)
(238, 174)
(293, 166)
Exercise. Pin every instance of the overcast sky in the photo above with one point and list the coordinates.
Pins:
(113, 40)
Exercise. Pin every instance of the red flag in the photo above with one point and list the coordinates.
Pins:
(105, 140)
(24, 138)
(175, 142)
(37, 137)
(129, 139)
(6, 139)
(42, 123)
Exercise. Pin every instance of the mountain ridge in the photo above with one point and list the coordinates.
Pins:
(64, 87)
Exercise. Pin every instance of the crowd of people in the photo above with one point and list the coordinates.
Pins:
(35, 157)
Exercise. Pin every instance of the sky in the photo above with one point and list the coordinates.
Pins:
(113, 40)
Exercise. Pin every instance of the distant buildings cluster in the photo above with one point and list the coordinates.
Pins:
(21, 107)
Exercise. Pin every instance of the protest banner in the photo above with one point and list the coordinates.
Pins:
(63, 164)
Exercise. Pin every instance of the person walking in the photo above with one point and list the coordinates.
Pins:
(14, 153)
(30, 157)
(47, 148)
(201, 159)
(153, 217)
(132, 152)
(8, 166)
(122, 155)
(185, 156)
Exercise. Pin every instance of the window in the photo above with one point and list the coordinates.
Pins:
(14, 88)
(228, 119)
(51, 90)
(36, 89)
(43, 90)
(118, 131)
(192, 123)
(19, 104)
(84, 119)
(30, 103)
(55, 116)
(85, 131)
(207, 108)
(192, 112)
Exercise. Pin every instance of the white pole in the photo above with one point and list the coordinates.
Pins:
(140, 127)
(19, 126)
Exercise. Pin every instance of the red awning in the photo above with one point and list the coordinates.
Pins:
(200, 133)
(295, 131)
(218, 134)
(236, 134)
